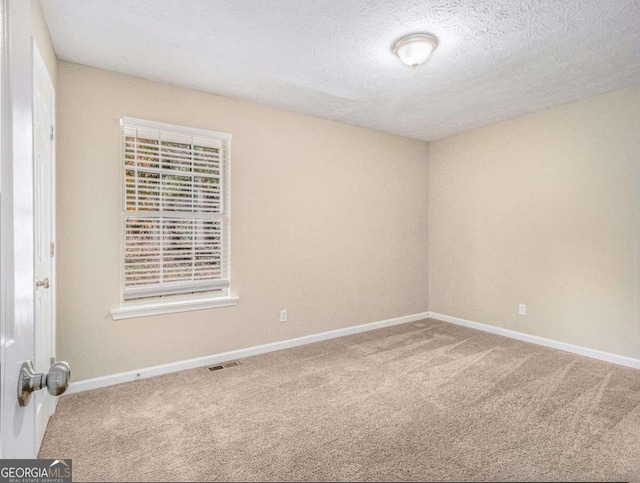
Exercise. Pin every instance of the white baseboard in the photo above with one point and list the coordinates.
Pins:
(98, 382)
(583, 351)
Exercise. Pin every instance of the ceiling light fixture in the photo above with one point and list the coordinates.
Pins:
(415, 49)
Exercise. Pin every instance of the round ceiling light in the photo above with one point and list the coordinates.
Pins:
(415, 49)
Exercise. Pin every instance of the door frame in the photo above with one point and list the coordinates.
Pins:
(40, 68)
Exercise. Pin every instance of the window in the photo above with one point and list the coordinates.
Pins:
(175, 218)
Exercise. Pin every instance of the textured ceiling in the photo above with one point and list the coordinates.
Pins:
(497, 59)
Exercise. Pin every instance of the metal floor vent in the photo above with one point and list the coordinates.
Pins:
(224, 365)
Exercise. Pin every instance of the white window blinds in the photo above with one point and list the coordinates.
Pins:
(175, 210)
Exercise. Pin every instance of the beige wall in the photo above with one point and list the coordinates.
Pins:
(329, 221)
(542, 210)
(40, 33)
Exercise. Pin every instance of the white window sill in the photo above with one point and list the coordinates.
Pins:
(129, 310)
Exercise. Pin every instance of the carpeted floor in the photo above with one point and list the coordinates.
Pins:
(420, 401)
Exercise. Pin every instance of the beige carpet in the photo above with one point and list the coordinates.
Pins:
(420, 401)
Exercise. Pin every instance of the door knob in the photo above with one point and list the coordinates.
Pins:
(42, 283)
(56, 380)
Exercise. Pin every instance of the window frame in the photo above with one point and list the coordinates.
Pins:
(174, 303)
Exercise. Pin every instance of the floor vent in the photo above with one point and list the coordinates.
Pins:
(224, 365)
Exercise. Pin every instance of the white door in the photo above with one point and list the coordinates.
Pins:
(44, 233)
(17, 430)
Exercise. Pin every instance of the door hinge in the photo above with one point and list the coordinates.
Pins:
(53, 249)
(53, 132)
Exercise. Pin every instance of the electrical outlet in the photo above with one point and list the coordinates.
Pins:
(283, 316)
(522, 309)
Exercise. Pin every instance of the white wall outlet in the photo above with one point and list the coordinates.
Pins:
(522, 309)
(283, 316)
